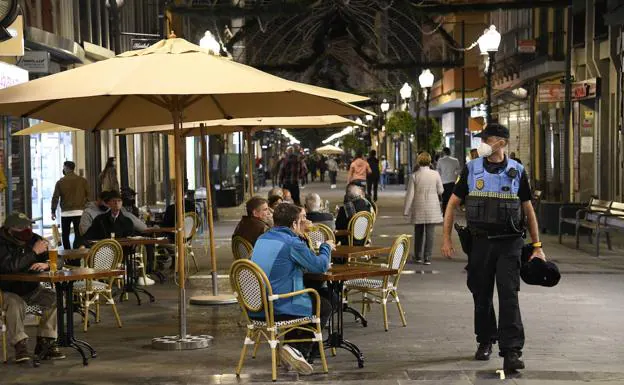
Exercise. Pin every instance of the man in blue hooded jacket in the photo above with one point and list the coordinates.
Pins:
(284, 257)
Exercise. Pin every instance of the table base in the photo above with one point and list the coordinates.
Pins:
(335, 341)
(135, 290)
(187, 343)
(336, 323)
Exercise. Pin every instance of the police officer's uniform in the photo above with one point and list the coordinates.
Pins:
(494, 217)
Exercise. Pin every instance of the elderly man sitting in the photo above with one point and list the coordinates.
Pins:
(354, 202)
(257, 221)
(21, 251)
(284, 256)
(314, 213)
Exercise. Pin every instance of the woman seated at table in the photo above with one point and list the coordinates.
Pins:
(284, 257)
(354, 202)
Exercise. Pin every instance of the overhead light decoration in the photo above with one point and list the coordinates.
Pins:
(291, 139)
(336, 136)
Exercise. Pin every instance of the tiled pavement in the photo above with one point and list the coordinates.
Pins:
(574, 331)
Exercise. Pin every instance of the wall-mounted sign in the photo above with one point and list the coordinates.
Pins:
(35, 62)
(527, 46)
(550, 93)
(142, 43)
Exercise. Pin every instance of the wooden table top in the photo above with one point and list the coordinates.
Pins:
(62, 275)
(341, 233)
(142, 241)
(346, 272)
(359, 251)
(74, 253)
(151, 230)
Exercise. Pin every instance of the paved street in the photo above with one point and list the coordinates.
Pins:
(574, 330)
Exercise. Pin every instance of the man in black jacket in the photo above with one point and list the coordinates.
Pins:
(22, 251)
(354, 202)
(111, 224)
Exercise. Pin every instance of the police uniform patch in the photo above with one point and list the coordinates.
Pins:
(480, 184)
(506, 188)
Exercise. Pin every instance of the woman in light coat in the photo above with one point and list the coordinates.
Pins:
(422, 204)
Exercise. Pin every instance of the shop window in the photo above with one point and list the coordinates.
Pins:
(578, 29)
(601, 31)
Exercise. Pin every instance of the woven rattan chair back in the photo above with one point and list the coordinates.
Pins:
(360, 227)
(252, 288)
(191, 224)
(105, 254)
(320, 233)
(241, 248)
(398, 256)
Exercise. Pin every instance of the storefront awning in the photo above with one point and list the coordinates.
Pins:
(61, 49)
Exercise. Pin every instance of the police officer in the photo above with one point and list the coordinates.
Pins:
(498, 205)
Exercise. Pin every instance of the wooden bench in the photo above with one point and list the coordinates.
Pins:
(600, 216)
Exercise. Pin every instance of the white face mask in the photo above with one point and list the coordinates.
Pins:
(484, 150)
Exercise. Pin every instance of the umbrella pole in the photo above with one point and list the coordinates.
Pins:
(183, 341)
(215, 298)
(251, 162)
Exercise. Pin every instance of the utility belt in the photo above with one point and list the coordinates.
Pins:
(468, 234)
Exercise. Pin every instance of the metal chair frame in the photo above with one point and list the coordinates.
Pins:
(189, 235)
(254, 294)
(380, 291)
(320, 233)
(91, 294)
(354, 221)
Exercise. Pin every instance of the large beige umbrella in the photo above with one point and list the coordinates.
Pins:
(168, 83)
(44, 128)
(329, 150)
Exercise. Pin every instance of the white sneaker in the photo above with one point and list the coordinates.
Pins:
(145, 281)
(332, 186)
(295, 360)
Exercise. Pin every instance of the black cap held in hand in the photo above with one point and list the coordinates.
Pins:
(537, 271)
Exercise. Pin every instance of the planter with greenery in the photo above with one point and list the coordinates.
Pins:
(403, 123)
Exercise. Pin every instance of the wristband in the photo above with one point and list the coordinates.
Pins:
(537, 244)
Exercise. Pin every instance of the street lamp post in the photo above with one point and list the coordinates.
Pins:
(384, 107)
(406, 94)
(488, 44)
(426, 82)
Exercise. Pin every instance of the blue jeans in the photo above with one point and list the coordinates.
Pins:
(384, 179)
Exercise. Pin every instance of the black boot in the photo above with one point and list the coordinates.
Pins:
(484, 351)
(46, 349)
(512, 361)
(21, 351)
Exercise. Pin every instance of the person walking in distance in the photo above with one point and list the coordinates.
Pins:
(73, 192)
(358, 170)
(332, 168)
(372, 179)
(292, 170)
(108, 176)
(498, 198)
(449, 169)
(385, 169)
(423, 206)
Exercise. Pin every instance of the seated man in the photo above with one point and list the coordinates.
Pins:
(111, 224)
(275, 191)
(21, 251)
(92, 210)
(354, 202)
(274, 201)
(314, 213)
(287, 196)
(284, 257)
(257, 221)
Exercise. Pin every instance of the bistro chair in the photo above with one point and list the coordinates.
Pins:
(255, 295)
(105, 254)
(382, 290)
(191, 224)
(318, 234)
(241, 248)
(360, 227)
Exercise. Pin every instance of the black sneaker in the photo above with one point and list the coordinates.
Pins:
(21, 351)
(512, 361)
(484, 351)
(48, 346)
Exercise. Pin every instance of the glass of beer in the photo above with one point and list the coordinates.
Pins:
(53, 256)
